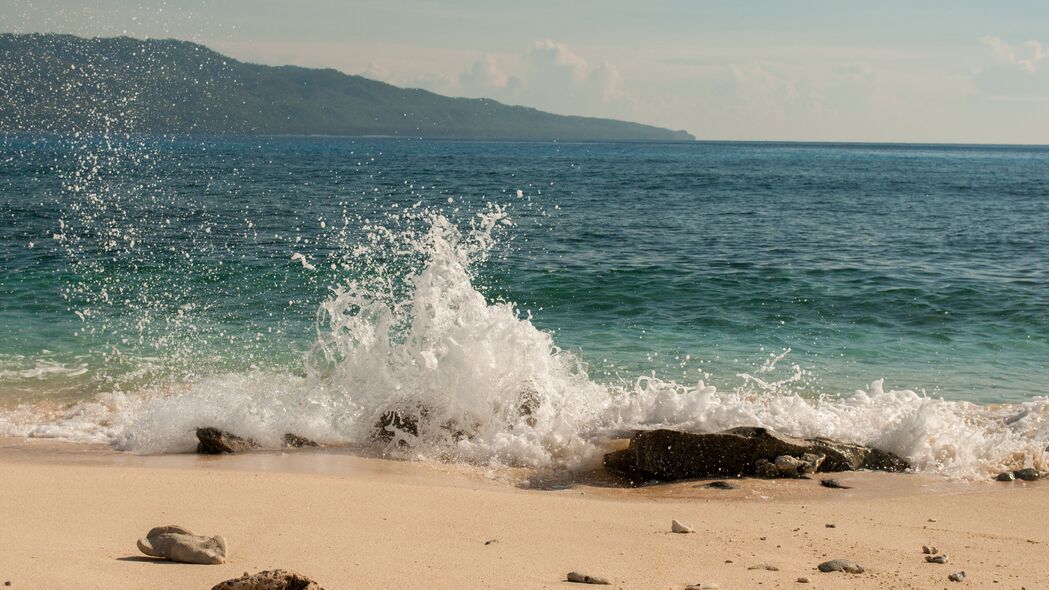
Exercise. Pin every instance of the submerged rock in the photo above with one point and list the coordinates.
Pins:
(579, 578)
(269, 580)
(840, 565)
(179, 544)
(213, 441)
(297, 442)
(671, 455)
(1029, 474)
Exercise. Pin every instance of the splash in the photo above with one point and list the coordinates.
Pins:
(411, 357)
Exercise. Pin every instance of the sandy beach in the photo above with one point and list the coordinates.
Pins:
(72, 515)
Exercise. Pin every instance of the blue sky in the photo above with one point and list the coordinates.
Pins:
(840, 71)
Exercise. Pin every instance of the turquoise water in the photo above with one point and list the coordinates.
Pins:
(135, 264)
(923, 265)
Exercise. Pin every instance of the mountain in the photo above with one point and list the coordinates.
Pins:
(63, 84)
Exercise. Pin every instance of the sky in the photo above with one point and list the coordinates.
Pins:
(901, 71)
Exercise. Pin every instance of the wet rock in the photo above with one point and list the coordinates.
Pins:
(721, 485)
(179, 544)
(579, 578)
(391, 423)
(936, 558)
(957, 577)
(671, 455)
(1006, 476)
(680, 527)
(788, 466)
(269, 580)
(298, 442)
(1029, 474)
(840, 565)
(926, 549)
(834, 484)
(212, 441)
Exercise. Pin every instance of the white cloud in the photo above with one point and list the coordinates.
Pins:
(1019, 72)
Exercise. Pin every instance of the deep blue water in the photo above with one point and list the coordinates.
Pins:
(133, 261)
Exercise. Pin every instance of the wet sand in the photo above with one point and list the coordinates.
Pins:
(71, 515)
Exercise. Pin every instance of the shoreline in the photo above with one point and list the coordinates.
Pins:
(73, 513)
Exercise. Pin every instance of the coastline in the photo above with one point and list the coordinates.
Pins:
(73, 512)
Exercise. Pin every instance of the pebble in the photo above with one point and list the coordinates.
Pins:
(831, 526)
(579, 578)
(677, 526)
(722, 485)
(1006, 476)
(936, 558)
(926, 549)
(840, 565)
(957, 577)
(703, 586)
(803, 580)
(490, 541)
(833, 483)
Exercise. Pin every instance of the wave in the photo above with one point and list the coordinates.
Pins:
(410, 356)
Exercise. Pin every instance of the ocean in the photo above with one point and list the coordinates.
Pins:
(526, 300)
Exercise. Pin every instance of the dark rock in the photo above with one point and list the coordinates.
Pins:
(835, 484)
(1029, 474)
(721, 485)
(298, 442)
(391, 422)
(1006, 476)
(579, 578)
(670, 455)
(957, 577)
(840, 565)
(269, 580)
(803, 580)
(213, 441)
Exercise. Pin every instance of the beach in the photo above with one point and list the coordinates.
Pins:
(73, 513)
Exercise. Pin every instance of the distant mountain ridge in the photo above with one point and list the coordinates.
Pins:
(65, 84)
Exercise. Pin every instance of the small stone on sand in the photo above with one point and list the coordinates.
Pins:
(803, 580)
(178, 544)
(721, 485)
(579, 578)
(764, 566)
(677, 526)
(840, 565)
(703, 586)
(831, 525)
(1006, 476)
(1028, 474)
(926, 549)
(957, 577)
(490, 541)
(936, 558)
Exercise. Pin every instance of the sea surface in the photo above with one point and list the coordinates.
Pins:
(525, 299)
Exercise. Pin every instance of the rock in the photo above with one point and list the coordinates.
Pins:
(803, 580)
(213, 441)
(178, 544)
(835, 484)
(926, 549)
(703, 586)
(490, 541)
(794, 467)
(671, 455)
(830, 525)
(765, 468)
(936, 558)
(677, 526)
(1029, 474)
(392, 422)
(764, 566)
(1006, 476)
(298, 442)
(840, 565)
(721, 485)
(579, 578)
(269, 580)
(957, 577)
